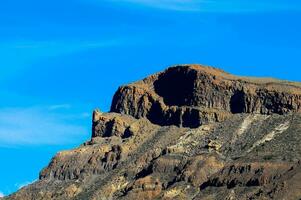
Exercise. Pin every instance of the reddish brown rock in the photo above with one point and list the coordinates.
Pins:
(190, 95)
(235, 138)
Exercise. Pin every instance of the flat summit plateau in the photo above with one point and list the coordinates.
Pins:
(189, 132)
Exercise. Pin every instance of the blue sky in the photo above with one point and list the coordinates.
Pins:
(61, 59)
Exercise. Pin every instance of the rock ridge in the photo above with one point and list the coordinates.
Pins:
(189, 132)
(192, 95)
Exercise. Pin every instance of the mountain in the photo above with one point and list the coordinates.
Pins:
(189, 132)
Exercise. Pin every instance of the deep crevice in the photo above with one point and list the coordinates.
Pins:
(176, 86)
(238, 102)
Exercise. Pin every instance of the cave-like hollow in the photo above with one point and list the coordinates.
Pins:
(176, 87)
(238, 102)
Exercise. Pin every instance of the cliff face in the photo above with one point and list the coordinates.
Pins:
(190, 132)
(189, 96)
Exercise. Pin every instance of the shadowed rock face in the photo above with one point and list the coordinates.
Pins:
(235, 138)
(183, 87)
(203, 94)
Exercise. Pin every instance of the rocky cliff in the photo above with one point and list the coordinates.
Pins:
(191, 95)
(189, 132)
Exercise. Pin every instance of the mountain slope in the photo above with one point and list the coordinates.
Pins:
(190, 132)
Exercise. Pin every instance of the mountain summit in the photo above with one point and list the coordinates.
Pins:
(189, 132)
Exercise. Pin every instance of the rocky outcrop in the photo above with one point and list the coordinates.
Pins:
(192, 95)
(107, 125)
(190, 132)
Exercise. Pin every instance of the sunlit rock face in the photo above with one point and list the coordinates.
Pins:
(191, 95)
(189, 132)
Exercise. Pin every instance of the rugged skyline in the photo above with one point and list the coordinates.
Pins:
(189, 132)
(62, 59)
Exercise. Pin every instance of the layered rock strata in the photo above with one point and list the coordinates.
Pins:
(190, 132)
(191, 95)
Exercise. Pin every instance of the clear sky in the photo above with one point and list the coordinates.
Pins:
(60, 59)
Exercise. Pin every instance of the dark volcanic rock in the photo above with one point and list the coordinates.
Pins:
(190, 132)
